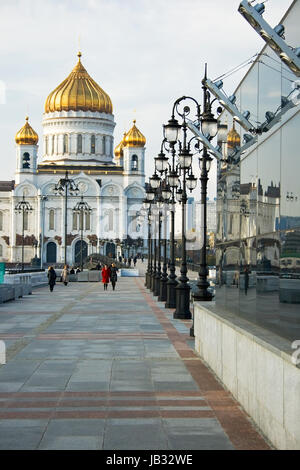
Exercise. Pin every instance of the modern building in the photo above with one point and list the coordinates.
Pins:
(78, 137)
(258, 207)
(250, 335)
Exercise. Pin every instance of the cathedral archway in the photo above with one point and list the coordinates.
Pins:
(110, 250)
(51, 252)
(78, 251)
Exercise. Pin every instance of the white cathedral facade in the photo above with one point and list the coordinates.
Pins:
(78, 127)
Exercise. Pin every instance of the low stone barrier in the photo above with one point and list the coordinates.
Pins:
(258, 367)
(94, 276)
(33, 279)
(129, 272)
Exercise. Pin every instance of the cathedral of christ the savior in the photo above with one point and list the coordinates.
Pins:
(78, 144)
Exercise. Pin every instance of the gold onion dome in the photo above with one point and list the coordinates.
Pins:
(78, 92)
(26, 135)
(134, 137)
(233, 138)
(119, 148)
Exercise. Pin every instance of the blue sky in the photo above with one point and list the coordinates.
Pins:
(143, 53)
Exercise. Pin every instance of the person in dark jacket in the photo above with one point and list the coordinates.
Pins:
(113, 275)
(51, 278)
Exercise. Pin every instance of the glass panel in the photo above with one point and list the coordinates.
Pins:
(268, 163)
(289, 284)
(248, 279)
(1, 221)
(269, 84)
(290, 171)
(267, 288)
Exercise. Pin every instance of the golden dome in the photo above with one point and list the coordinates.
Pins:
(233, 138)
(78, 92)
(26, 135)
(134, 137)
(119, 148)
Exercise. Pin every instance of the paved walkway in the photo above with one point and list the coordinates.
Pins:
(89, 369)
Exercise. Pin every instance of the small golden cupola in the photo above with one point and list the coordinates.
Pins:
(119, 148)
(26, 135)
(233, 138)
(78, 92)
(134, 137)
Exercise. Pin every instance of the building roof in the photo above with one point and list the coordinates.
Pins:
(7, 185)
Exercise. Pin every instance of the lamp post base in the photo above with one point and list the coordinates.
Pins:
(163, 290)
(171, 294)
(152, 282)
(202, 297)
(156, 289)
(183, 302)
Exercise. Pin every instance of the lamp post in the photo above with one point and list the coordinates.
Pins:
(61, 188)
(82, 208)
(185, 161)
(147, 209)
(23, 207)
(168, 193)
(209, 128)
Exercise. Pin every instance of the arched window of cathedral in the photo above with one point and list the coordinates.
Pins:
(1, 221)
(79, 143)
(103, 145)
(46, 145)
(93, 144)
(74, 221)
(26, 160)
(51, 219)
(53, 144)
(134, 163)
(25, 220)
(66, 143)
(87, 221)
(110, 220)
(1, 250)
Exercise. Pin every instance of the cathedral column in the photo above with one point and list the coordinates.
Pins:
(12, 240)
(123, 216)
(98, 218)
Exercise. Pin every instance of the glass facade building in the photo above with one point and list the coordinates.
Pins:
(258, 203)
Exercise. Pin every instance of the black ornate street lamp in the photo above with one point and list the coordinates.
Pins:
(168, 193)
(61, 188)
(82, 209)
(23, 207)
(147, 210)
(209, 128)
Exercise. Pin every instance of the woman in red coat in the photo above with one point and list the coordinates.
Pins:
(105, 276)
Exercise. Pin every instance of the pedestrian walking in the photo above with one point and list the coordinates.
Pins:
(65, 275)
(105, 276)
(51, 278)
(142, 258)
(113, 275)
(129, 262)
(134, 261)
